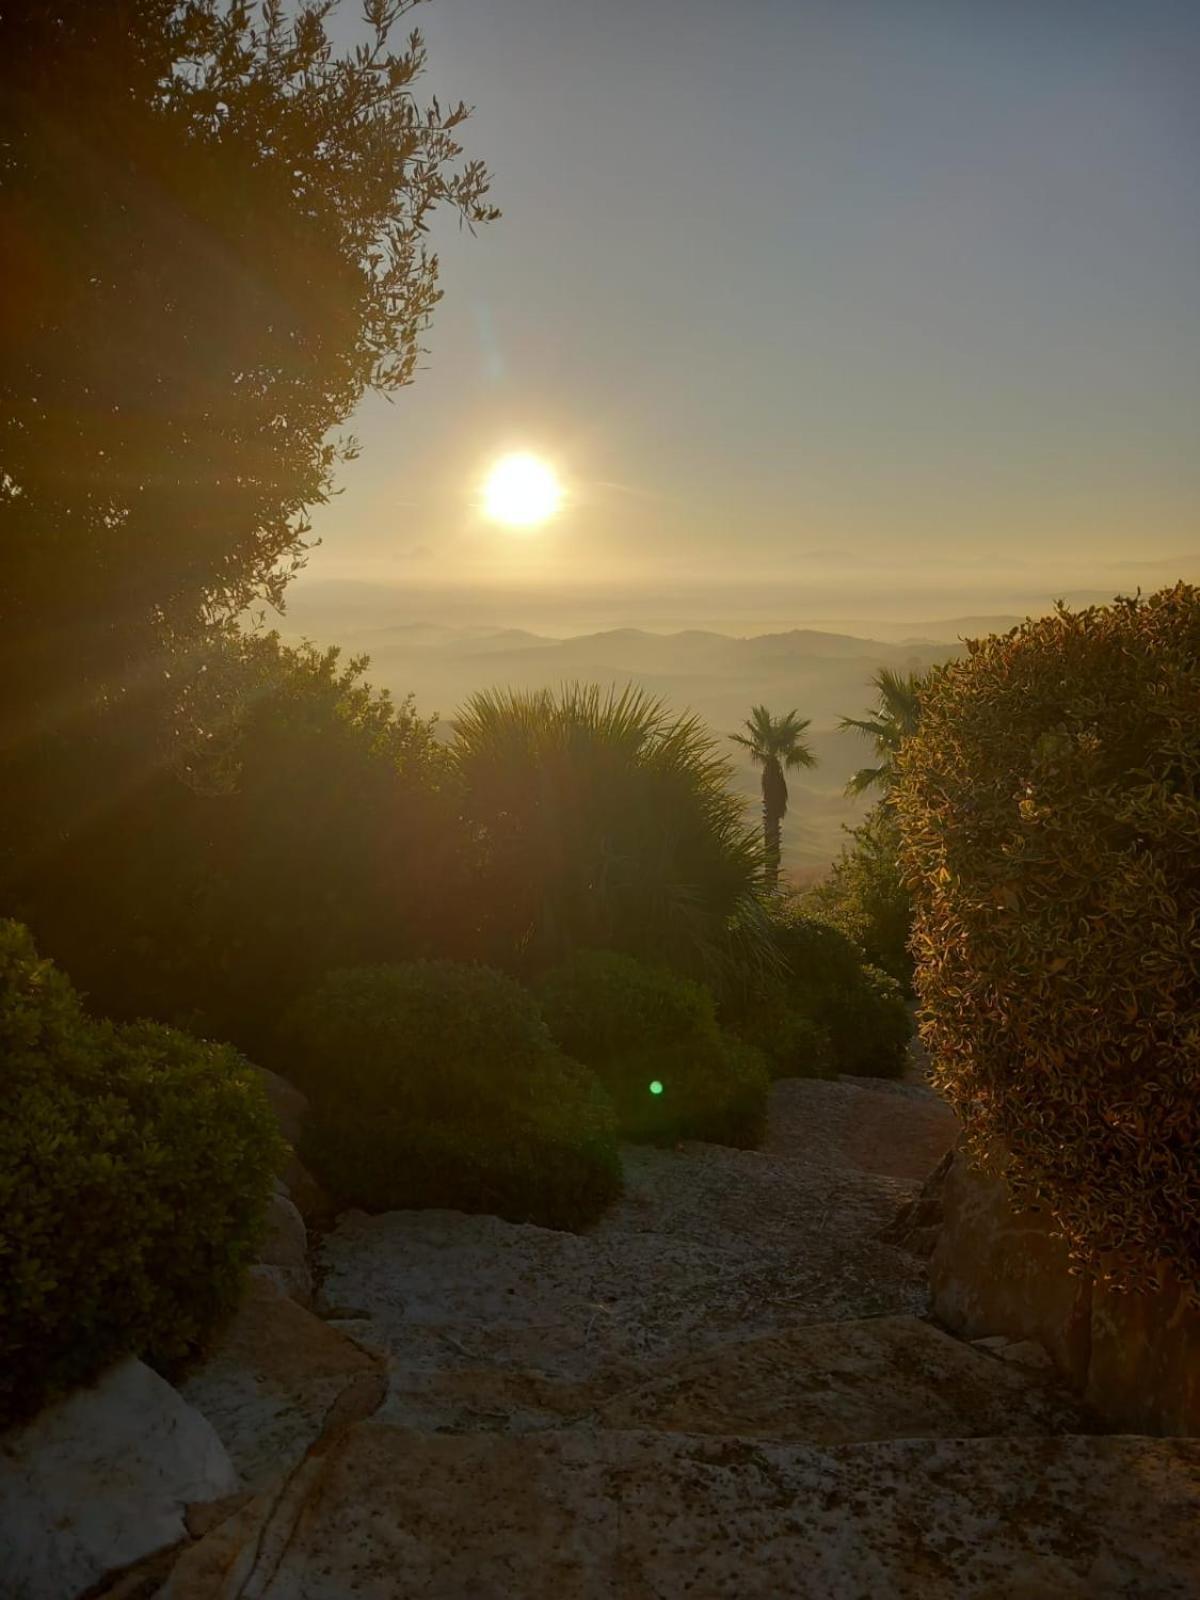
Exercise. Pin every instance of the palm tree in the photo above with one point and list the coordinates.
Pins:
(777, 747)
(895, 716)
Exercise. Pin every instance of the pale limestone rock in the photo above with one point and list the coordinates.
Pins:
(101, 1480)
(285, 1249)
(386, 1513)
(277, 1379)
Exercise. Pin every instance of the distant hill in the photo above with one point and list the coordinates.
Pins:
(719, 676)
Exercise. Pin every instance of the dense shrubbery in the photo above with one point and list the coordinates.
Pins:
(861, 1009)
(135, 1166)
(795, 1045)
(302, 822)
(434, 1084)
(602, 822)
(865, 896)
(638, 1025)
(1051, 807)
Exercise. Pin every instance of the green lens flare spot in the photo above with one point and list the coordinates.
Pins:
(656, 1087)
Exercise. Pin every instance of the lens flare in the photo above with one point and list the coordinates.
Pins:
(656, 1087)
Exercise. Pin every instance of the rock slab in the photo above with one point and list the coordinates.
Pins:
(578, 1515)
(277, 1379)
(100, 1481)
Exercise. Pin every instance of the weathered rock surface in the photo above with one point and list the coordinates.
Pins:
(999, 1271)
(101, 1480)
(996, 1270)
(277, 1380)
(585, 1515)
(291, 1110)
(708, 1244)
(845, 1383)
(284, 1250)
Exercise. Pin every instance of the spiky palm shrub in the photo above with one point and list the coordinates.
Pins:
(603, 820)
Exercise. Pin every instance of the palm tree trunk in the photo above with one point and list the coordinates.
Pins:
(771, 840)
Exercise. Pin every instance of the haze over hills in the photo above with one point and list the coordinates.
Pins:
(719, 676)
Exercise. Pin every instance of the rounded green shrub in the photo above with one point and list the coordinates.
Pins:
(1051, 809)
(653, 1040)
(794, 1045)
(135, 1168)
(437, 1084)
(601, 1003)
(862, 1009)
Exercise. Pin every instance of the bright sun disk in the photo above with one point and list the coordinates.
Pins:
(521, 490)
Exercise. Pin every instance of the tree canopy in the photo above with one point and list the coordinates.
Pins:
(214, 242)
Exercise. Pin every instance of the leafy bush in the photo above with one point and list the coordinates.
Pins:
(639, 1026)
(865, 896)
(304, 822)
(602, 822)
(794, 1045)
(861, 1008)
(435, 1084)
(135, 1167)
(1051, 809)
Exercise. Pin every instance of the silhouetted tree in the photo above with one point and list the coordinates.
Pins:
(213, 231)
(895, 716)
(777, 746)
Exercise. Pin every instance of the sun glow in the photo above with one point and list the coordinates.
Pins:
(521, 491)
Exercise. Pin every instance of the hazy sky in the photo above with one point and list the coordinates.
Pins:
(805, 300)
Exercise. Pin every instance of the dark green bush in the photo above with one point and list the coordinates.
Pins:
(135, 1167)
(303, 821)
(601, 1003)
(865, 896)
(795, 1046)
(436, 1084)
(1051, 808)
(638, 1025)
(861, 1008)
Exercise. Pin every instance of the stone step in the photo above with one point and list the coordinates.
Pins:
(829, 1383)
(386, 1513)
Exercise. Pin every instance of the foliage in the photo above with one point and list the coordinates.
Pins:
(437, 1084)
(778, 746)
(215, 243)
(301, 821)
(135, 1168)
(794, 1045)
(602, 821)
(638, 1025)
(866, 898)
(829, 981)
(896, 715)
(1051, 810)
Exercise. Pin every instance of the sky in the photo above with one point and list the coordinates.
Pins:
(821, 308)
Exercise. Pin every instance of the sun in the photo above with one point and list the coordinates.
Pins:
(521, 491)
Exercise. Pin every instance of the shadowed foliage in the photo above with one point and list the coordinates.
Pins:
(437, 1084)
(602, 820)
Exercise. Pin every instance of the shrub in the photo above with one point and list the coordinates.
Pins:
(305, 821)
(135, 1167)
(1051, 808)
(435, 1084)
(794, 1045)
(861, 1009)
(638, 1026)
(602, 821)
(865, 896)
(600, 1004)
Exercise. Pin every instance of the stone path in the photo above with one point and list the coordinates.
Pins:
(727, 1388)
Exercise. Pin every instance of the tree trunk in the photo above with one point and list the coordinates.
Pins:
(772, 818)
